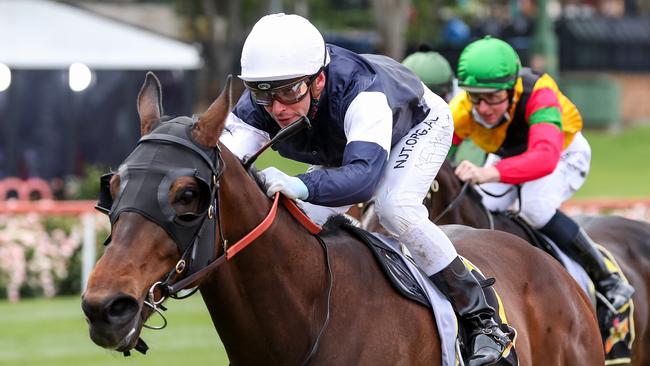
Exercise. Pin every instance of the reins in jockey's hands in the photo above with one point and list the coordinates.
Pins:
(468, 171)
(275, 180)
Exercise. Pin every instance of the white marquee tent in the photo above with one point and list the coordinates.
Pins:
(63, 67)
(45, 124)
(38, 34)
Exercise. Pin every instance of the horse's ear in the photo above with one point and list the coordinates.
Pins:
(149, 103)
(209, 127)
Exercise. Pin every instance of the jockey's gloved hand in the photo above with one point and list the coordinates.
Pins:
(276, 181)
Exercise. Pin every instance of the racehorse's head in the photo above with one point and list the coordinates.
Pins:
(161, 207)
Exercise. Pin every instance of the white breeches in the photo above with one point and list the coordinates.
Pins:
(411, 168)
(540, 198)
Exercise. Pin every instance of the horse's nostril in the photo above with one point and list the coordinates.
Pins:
(121, 310)
(117, 310)
(92, 310)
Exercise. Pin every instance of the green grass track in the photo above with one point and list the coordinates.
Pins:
(620, 164)
(54, 333)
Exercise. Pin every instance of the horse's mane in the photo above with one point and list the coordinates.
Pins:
(335, 223)
(252, 171)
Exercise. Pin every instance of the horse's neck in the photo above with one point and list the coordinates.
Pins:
(267, 291)
(468, 210)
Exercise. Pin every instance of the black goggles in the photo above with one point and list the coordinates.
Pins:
(488, 98)
(264, 93)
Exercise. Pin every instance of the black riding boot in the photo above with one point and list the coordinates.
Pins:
(464, 292)
(576, 243)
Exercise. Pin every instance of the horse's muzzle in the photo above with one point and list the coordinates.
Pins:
(113, 322)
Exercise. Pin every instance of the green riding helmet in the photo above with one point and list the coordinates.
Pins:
(432, 69)
(488, 65)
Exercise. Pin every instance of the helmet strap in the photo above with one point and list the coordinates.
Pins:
(511, 96)
(313, 107)
(314, 100)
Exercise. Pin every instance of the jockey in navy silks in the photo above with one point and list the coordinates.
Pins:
(377, 132)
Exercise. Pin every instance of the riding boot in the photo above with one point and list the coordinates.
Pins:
(576, 243)
(610, 284)
(487, 341)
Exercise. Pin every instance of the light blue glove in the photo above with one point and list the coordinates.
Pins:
(276, 181)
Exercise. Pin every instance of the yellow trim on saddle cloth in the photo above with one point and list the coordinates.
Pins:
(502, 312)
(617, 335)
(613, 266)
(471, 267)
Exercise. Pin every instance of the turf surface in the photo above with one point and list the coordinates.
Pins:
(54, 333)
(620, 164)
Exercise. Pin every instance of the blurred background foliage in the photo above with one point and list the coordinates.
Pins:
(40, 255)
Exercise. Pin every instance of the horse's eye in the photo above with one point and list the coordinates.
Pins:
(188, 196)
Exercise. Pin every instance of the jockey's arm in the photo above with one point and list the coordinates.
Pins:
(455, 142)
(545, 141)
(368, 124)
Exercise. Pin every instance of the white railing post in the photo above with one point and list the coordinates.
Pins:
(88, 253)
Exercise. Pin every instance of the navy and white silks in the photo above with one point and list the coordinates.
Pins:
(378, 132)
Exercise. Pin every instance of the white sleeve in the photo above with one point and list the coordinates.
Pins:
(434, 101)
(241, 138)
(369, 118)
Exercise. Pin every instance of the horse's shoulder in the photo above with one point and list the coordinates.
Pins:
(624, 237)
(611, 221)
(615, 227)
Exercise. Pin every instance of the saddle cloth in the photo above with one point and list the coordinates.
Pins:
(411, 282)
(616, 327)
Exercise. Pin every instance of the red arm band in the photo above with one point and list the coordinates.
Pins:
(545, 142)
(456, 140)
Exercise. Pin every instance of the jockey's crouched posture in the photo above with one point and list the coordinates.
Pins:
(377, 131)
(532, 132)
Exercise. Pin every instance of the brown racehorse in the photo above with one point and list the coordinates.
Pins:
(628, 240)
(272, 304)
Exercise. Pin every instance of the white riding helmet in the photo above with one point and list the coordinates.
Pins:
(281, 47)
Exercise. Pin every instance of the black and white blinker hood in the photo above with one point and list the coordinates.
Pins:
(146, 176)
